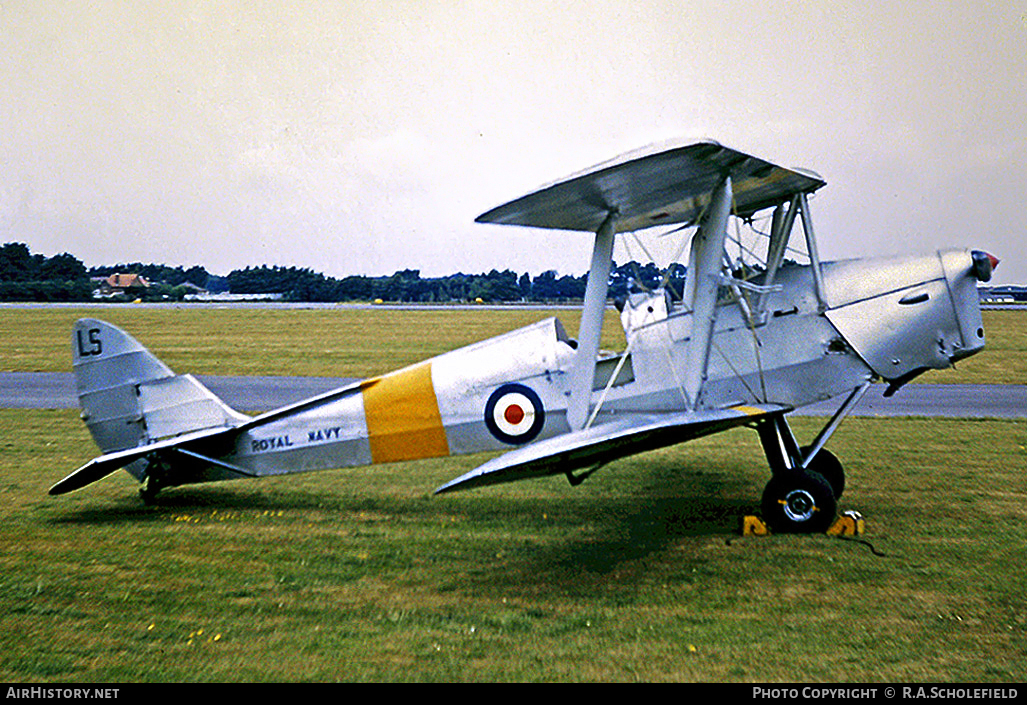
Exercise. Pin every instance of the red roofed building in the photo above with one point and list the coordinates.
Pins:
(127, 284)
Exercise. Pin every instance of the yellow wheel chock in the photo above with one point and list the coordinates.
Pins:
(848, 523)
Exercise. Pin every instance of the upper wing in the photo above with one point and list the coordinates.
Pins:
(655, 186)
(625, 435)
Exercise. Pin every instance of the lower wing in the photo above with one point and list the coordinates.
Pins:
(624, 435)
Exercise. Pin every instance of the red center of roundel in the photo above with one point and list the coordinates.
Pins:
(514, 414)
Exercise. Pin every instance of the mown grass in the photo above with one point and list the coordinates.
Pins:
(639, 574)
(344, 342)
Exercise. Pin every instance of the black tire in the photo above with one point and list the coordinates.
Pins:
(826, 465)
(799, 503)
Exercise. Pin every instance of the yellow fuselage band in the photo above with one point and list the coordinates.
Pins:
(403, 419)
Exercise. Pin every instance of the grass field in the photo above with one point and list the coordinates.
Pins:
(361, 575)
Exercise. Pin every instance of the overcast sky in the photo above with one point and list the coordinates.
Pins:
(365, 137)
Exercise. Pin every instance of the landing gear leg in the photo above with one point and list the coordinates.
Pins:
(797, 499)
(155, 481)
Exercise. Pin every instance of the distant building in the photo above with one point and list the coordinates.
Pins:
(224, 296)
(1003, 294)
(127, 284)
(193, 290)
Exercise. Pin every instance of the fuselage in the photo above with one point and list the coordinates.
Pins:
(879, 318)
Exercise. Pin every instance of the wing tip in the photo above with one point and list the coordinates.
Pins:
(463, 482)
(93, 471)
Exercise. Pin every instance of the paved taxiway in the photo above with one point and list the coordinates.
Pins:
(56, 390)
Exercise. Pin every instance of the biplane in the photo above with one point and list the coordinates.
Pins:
(757, 329)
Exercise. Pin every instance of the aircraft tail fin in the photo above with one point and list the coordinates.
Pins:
(130, 398)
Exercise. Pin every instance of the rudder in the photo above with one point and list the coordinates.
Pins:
(129, 397)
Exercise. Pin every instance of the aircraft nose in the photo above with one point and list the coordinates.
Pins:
(983, 264)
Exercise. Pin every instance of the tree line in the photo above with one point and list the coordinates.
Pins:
(33, 277)
(408, 286)
(28, 277)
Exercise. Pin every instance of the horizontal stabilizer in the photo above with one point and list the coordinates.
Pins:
(655, 186)
(102, 466)
(625, 435)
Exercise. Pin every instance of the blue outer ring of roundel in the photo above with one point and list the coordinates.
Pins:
(539, 414)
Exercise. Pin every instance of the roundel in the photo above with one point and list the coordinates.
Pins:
(514, 414)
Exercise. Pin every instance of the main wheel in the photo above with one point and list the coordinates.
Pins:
(826, 465)
(799, 502)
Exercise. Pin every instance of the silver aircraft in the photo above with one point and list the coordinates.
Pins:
(751, 336)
